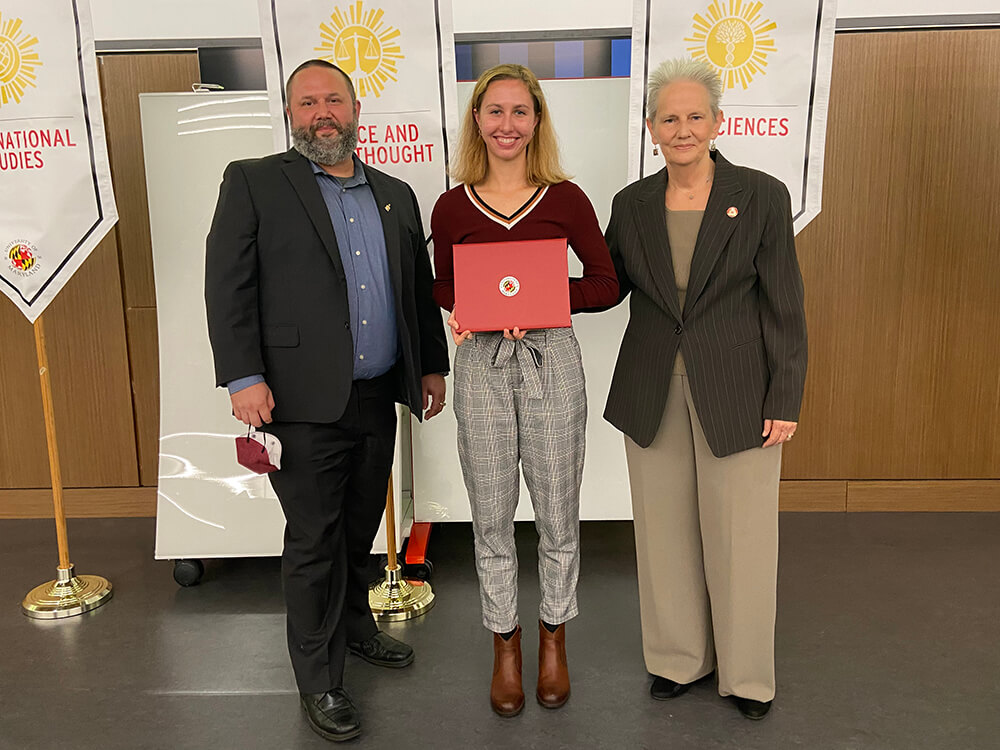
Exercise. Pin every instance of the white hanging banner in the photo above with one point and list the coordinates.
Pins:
(400, 55)
(56, 183)
(774, 58)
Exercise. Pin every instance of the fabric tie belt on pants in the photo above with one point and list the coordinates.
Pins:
(529, 357)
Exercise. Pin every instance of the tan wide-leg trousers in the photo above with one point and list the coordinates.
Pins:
(706, 537)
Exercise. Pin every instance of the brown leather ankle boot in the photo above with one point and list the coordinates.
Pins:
(553, 674)
(506, 693)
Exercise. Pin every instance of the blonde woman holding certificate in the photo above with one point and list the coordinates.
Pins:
(519, 395)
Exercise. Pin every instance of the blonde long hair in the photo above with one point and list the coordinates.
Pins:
(470, 164)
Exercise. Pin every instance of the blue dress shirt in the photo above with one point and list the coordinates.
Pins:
(361, 243)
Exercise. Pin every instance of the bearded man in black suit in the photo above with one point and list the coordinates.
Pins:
(318, 294)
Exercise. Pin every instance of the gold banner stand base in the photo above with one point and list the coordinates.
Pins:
(66, 596)
(395, 599)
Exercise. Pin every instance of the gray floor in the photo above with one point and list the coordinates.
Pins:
(888, 637)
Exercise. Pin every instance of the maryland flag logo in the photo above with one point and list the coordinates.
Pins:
(22, 257)
(509, 286)
(361, 45)
(17, 60)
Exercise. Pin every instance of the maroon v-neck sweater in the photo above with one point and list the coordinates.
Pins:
(561, 211)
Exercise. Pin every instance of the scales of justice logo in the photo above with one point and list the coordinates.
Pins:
(734, 38)
(17, 60)
(362, 45)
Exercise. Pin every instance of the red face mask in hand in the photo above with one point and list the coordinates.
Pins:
(258, 451)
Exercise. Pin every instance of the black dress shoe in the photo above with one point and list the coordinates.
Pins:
(331, 715)
(753, 710)
(663, 689)
(384, 650)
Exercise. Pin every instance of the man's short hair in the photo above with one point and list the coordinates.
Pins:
(317, 64)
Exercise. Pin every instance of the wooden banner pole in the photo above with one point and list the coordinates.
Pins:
(50, 439)
(68, 594)
(390, 526)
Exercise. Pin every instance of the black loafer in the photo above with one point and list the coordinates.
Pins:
(332, 715)
(663, 689)
(384, 650)
(753, 710)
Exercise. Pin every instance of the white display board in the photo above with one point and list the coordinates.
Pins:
(208, 505)
(590, 119)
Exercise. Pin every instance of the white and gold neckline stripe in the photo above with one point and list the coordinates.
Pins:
(507, 222)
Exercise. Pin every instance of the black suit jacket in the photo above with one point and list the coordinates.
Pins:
(276, 294)
(742, 331)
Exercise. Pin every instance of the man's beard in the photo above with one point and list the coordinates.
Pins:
(326, 151)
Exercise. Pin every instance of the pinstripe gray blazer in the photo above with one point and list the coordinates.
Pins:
(742, 331)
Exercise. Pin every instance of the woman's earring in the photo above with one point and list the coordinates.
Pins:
(656, 149)
(711, 145)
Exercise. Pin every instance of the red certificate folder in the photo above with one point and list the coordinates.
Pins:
(505, 284)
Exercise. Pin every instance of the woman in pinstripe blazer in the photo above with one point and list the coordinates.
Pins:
(707, 387)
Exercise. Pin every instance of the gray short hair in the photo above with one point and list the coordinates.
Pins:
(682, 69)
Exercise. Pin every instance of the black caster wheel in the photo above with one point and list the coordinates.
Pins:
(421, 571)
(188, 572)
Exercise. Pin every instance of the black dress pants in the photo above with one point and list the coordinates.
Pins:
(332, 488)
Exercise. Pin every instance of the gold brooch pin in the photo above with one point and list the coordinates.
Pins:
(388, 206)
(731, 213)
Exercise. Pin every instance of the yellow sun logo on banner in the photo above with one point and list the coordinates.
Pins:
(735, 39)
(17, 60)
(362, 46)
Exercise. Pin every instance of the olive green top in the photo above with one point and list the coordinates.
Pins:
(682, 232)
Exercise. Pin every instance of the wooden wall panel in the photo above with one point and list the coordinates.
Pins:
(123, 78)
(902, 267)
(145, 362)
(23, 456)
(812, 495)
(915, 496)
(108, 502)
(85, 337)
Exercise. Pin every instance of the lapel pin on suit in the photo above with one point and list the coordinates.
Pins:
(732, 211)
(388, 206)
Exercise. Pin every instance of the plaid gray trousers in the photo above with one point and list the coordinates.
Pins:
(524, 401)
